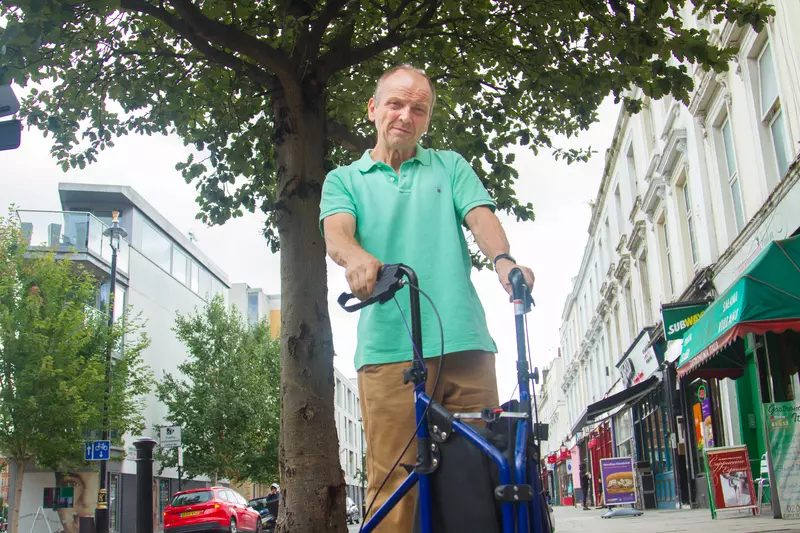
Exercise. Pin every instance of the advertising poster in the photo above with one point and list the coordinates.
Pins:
(708, 427)
(619, 485)
(784, 440)
(698, 426)
(50, 500)
(730, 479)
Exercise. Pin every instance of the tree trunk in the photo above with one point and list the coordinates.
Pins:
(312, 487)
(14, 514)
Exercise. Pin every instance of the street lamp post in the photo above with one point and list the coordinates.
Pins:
(115, 234)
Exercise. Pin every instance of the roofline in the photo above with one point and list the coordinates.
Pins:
(138, 201)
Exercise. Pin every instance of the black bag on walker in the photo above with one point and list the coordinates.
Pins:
(462, 487)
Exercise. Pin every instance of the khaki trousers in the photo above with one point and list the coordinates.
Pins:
(468, 384)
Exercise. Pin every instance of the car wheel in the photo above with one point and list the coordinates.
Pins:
(232, 527)
(259, 525)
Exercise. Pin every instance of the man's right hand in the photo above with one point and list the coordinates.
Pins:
(362, 274)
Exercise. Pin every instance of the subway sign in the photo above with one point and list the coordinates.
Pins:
(679, 317)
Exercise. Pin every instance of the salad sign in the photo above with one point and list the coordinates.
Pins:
(619, 481)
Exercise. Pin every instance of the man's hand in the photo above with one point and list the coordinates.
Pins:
(362, 274)
(504, 267)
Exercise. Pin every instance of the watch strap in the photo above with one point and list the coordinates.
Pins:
(504, 256)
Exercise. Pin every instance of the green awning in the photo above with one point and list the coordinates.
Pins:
(766, 297)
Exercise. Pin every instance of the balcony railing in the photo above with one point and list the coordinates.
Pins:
(71, 232)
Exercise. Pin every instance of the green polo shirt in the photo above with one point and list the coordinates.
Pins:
(415, 218)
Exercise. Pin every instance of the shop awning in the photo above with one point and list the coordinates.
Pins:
(766, 297)
(614, 403)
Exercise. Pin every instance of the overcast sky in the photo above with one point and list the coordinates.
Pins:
(552, 245)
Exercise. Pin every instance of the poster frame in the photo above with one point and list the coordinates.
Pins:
(711, 494)
(605, 489)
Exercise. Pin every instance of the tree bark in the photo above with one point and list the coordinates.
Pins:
(14, 518)
(312, 487)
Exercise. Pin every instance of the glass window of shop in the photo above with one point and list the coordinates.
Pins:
(652, 432)
(705, 412)
(623, 433)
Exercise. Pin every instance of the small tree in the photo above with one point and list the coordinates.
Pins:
(53, 356)
(227, 401)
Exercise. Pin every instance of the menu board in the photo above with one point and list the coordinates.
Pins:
(730, 479)
(619, 481)
(783, 425)
(708, 427)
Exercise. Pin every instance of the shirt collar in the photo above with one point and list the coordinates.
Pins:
(366, 163)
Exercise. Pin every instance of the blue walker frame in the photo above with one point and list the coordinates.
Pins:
(515, 516)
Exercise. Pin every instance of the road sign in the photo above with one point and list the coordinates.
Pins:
(170, 436)
(99, 450)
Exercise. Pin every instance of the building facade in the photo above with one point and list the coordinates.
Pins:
(350, 429)
(689, 197)
(160, 273)
(552, 411)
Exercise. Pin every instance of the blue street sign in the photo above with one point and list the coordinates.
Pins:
(99, 450)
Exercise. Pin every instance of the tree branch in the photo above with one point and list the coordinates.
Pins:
(329, 12)
(201, 31)
(348, 139)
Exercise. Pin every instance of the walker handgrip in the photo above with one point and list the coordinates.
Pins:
(389, 282)
(519, 290)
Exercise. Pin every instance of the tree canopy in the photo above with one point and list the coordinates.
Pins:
(226, 397)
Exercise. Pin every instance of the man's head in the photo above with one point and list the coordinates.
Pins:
(273, 489)
(401, 106)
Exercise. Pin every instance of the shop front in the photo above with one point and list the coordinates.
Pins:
(651, 441)
(749, 334)
(600, 446)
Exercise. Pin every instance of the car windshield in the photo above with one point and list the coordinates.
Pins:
(192, 498)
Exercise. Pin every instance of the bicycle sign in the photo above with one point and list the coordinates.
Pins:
(99, 450)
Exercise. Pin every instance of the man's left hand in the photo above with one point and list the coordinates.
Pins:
(504, 267)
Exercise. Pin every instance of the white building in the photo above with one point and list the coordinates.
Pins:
(257, 305)
(352, 445)
(160, 273)
(684, 191)
(552, 405)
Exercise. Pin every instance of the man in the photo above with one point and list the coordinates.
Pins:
(273, 492)
(585, 486)
(401, 203)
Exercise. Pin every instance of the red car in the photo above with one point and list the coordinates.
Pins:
(213, 509)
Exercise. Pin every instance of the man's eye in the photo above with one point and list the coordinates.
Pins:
(394, 105)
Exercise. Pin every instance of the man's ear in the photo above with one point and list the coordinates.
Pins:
(371, 109)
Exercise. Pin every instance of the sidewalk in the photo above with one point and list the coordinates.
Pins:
(574, 520)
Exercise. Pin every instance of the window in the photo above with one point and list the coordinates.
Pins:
(649, 126)
(631, 163)
(179, 265)
(667, 257)
(204, 284)
(338, 392)
(645, 281)
(632, 325)
(194, 276)
(156, 247)
(771, 113)
(609, 256)
(732, 174)
(620, 351)
(252, 308)
(618, 206)
(687, 205)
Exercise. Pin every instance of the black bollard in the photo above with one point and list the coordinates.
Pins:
(144, 485)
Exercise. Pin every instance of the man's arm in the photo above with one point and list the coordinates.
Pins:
(492, 240)
(361, 267)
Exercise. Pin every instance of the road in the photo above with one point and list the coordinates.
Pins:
(353, 528)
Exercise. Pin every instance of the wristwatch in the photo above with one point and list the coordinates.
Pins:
(504, 256)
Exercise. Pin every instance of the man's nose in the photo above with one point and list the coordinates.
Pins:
(405, 114)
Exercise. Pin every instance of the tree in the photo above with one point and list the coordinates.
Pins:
(227, 398)
(272, 95)
(53, 357)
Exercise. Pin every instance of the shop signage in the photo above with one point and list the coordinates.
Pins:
(730, 481)
(678, 319)
(619, 481)
(697, 413)
(639, 362)
(702, 393)
(783, 425)
(707, 340)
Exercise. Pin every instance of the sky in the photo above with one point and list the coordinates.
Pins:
(552, 245)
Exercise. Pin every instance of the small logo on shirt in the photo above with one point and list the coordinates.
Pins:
(438, 188)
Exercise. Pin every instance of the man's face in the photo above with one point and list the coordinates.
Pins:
(401, 111)
(273, 490)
